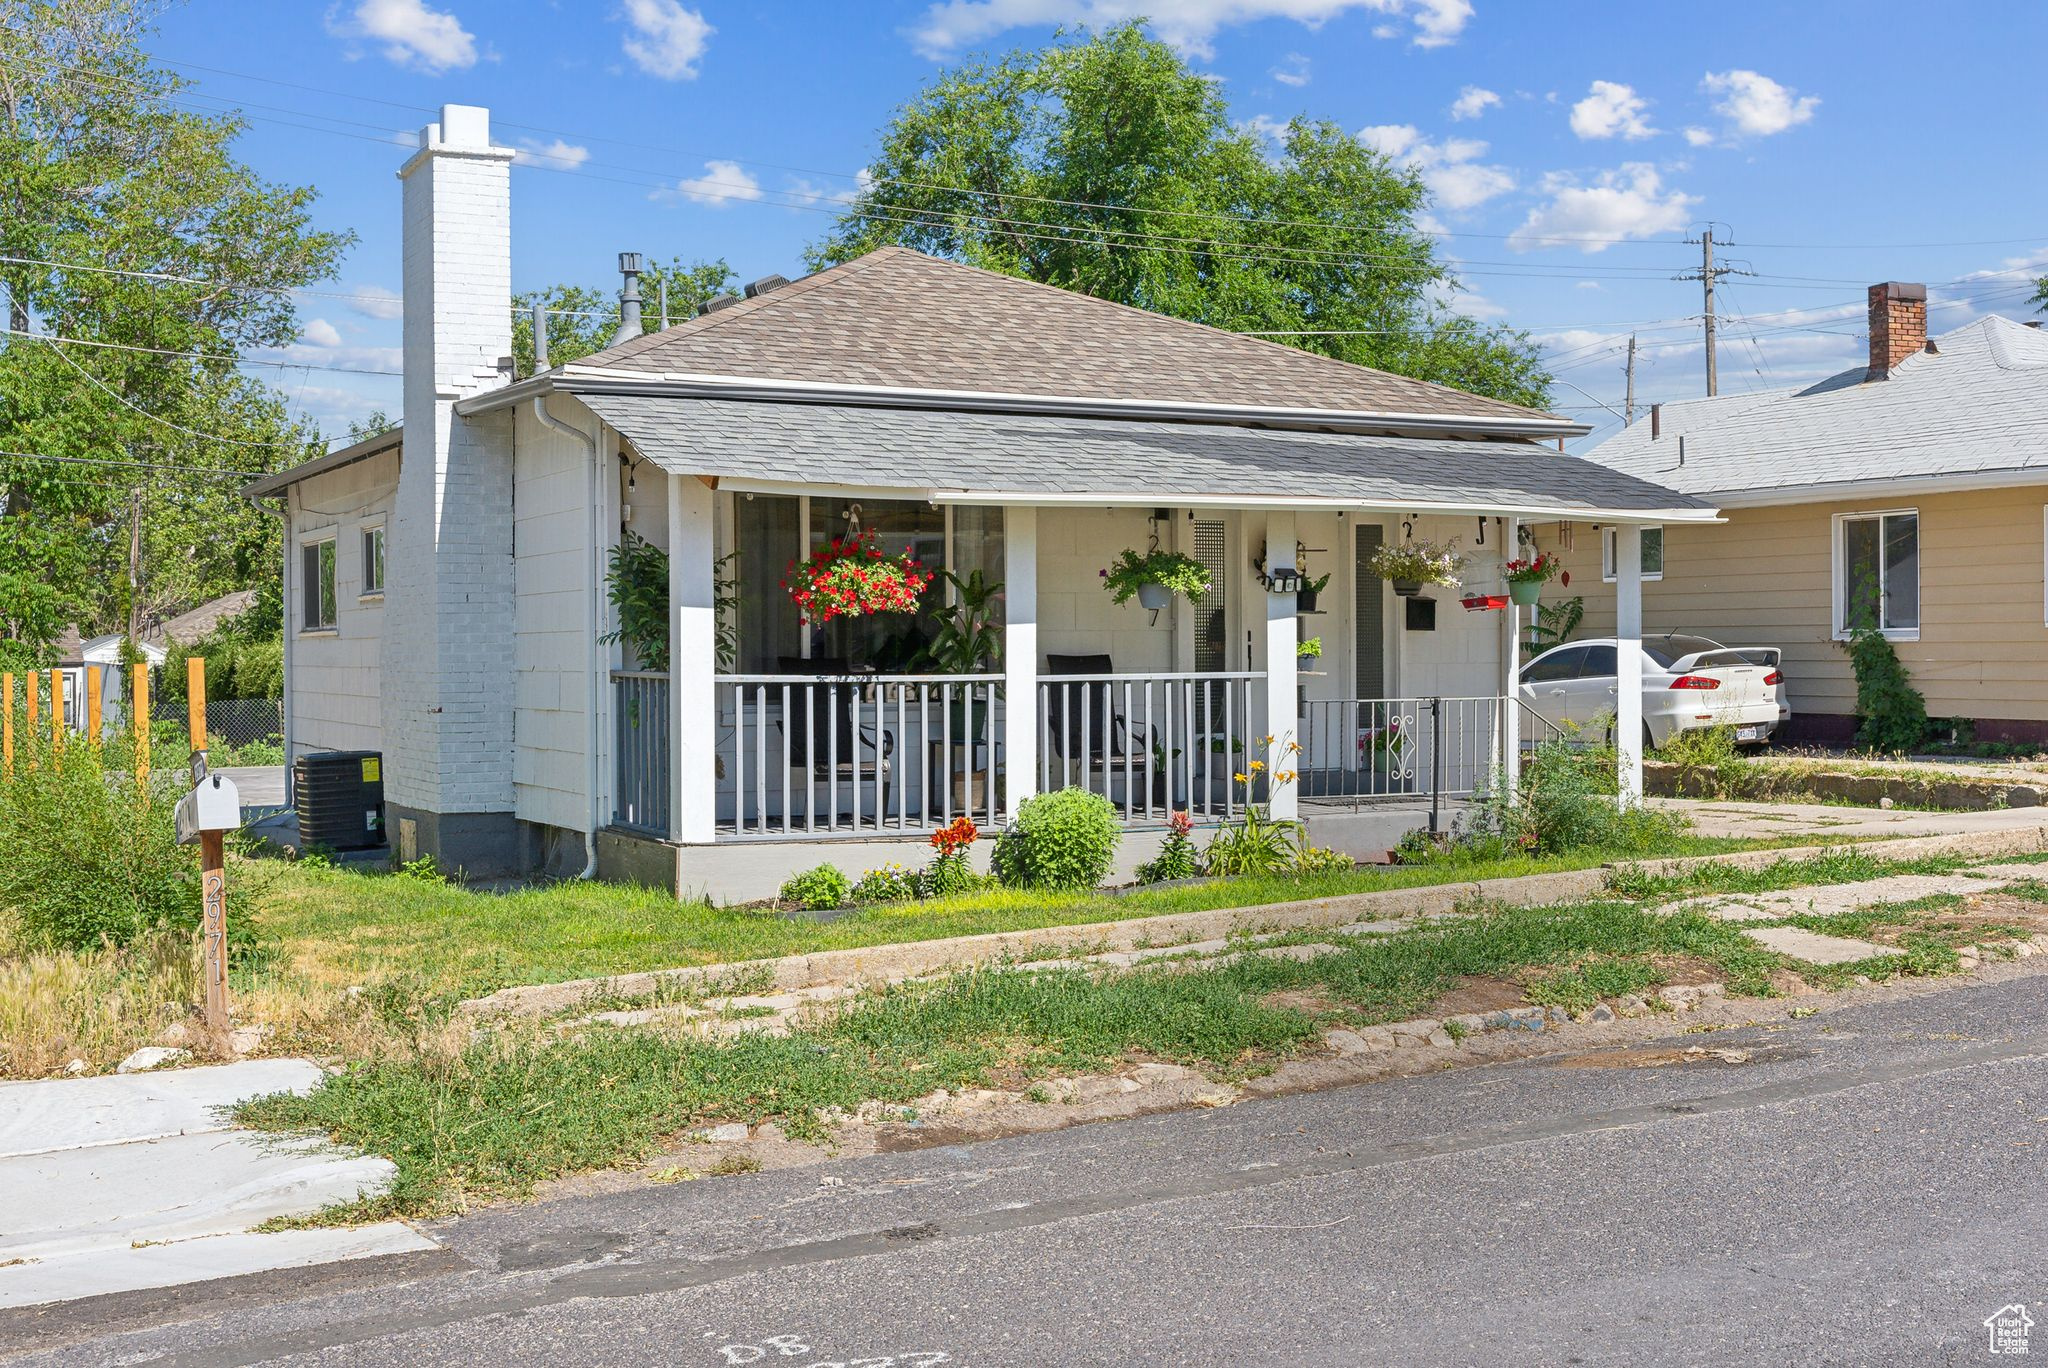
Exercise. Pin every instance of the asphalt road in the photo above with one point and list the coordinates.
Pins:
(1866, 1188)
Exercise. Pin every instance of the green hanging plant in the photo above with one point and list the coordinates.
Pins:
(636, 583)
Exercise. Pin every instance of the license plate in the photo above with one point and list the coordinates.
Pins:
(1752, 732)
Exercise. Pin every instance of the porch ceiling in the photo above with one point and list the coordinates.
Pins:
(950, 456)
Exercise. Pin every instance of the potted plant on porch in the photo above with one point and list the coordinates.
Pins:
(1413, 564)
(1526, 578)
(1155, 577)
(967, 643)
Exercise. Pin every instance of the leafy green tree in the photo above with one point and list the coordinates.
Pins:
(100, 167)
(1106, 165)
(581, 320)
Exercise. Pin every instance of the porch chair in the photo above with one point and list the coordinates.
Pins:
(1085, 730)
(862, 756)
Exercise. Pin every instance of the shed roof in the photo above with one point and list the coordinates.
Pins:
(956, 456)
(1974, 405)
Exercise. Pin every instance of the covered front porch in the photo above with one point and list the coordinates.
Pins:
(772, 728)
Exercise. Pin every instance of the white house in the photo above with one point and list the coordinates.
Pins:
(447, 582)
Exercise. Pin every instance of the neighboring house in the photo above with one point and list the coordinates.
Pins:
(76, 656)
(447, 601)
(1912, 489)
(195, 625)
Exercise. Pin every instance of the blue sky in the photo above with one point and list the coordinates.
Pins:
(1571, 147)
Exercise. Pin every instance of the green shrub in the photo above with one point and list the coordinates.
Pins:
(817, 890)
(1890, 713)
(1567, 802)
(1310, 859)
(890, 883)
(86, 857)
(1062, 840)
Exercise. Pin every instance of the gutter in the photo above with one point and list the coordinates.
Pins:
(684, 385)
(1910, 487)
(589, 441)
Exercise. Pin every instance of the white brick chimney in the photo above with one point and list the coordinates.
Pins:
(447, 641)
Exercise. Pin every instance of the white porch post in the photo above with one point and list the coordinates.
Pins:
(1282, 636)
(692, 662)
(1628, 670)
(1020, 655)
(1511, 680)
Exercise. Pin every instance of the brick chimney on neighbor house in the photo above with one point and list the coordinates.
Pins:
(1898, 326)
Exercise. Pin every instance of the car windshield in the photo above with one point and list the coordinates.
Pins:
(1666, 649)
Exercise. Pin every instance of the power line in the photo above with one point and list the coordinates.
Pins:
(132, 465)
(132, 406)
(193, 356)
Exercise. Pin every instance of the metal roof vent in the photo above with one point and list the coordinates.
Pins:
(765, 284)
(710, 306)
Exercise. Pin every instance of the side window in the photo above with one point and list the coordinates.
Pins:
(1599, 663)
(373, 561)
(316, 585)
(1653, 553)
(1559, 665)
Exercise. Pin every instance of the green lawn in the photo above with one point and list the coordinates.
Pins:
(489, 1117)
(333, 928)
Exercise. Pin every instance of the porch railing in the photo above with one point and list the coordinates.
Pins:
(1361, 750)
(641, 751)
(857, 755)
(1150, 743)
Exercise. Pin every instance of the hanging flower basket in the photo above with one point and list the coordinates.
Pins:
(1526, 578)
(1410, 565)
(853, 578)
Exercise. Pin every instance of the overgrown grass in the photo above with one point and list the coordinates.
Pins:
(1847, 864)
(95, 1005)
(490, 1118)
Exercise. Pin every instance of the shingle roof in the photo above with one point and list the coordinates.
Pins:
(1976, 404)
(895, 318)
(1117, 460)
(195, 624)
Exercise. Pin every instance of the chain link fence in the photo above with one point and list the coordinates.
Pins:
(239, 731)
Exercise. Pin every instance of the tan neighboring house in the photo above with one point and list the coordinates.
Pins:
(1915, 486)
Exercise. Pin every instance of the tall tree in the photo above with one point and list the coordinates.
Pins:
(102, 171)
(1106, 165)
(582, 320)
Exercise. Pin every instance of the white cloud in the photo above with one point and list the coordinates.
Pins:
(1628, 202)
(1188, 25)
(1452, 168)
(807, 192)
(722, 184)
(1755, 104)
(1588, 285)
(559, 154)
(1612, 110)
(1292, 71)
(1473, 101)
(1695, 136)
(1266, 128)
(320, 333)
(410, 34)
(375, 301)
(666, 40)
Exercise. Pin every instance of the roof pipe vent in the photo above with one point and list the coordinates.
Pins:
(1656, 421)
(629, 299)
(757, 288)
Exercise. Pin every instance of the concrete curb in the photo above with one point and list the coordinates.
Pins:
(910, 959)
(1958, 794)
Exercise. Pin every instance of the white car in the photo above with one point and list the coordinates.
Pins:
(1688, 681)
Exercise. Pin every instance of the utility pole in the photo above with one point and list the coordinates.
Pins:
(1707, 274)
(1628, 405)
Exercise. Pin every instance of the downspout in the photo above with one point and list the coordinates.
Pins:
(597, 670)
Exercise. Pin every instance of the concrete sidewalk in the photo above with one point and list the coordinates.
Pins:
(134, 1181)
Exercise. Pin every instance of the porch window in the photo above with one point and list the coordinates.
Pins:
(1877, 573)
(1653, 554)
(766, 538)
(316, 593)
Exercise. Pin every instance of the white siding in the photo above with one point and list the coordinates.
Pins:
(551, 636)
(335, 696)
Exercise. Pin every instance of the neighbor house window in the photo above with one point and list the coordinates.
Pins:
(1877, 572)
(316, 612)
(1653, 553)
(373, 561)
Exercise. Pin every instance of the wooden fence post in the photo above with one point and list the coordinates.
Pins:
(138, 718)
(94, 705)
(7, 722)
(195, 700)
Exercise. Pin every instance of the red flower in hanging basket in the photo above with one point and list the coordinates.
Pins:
(855, 579)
